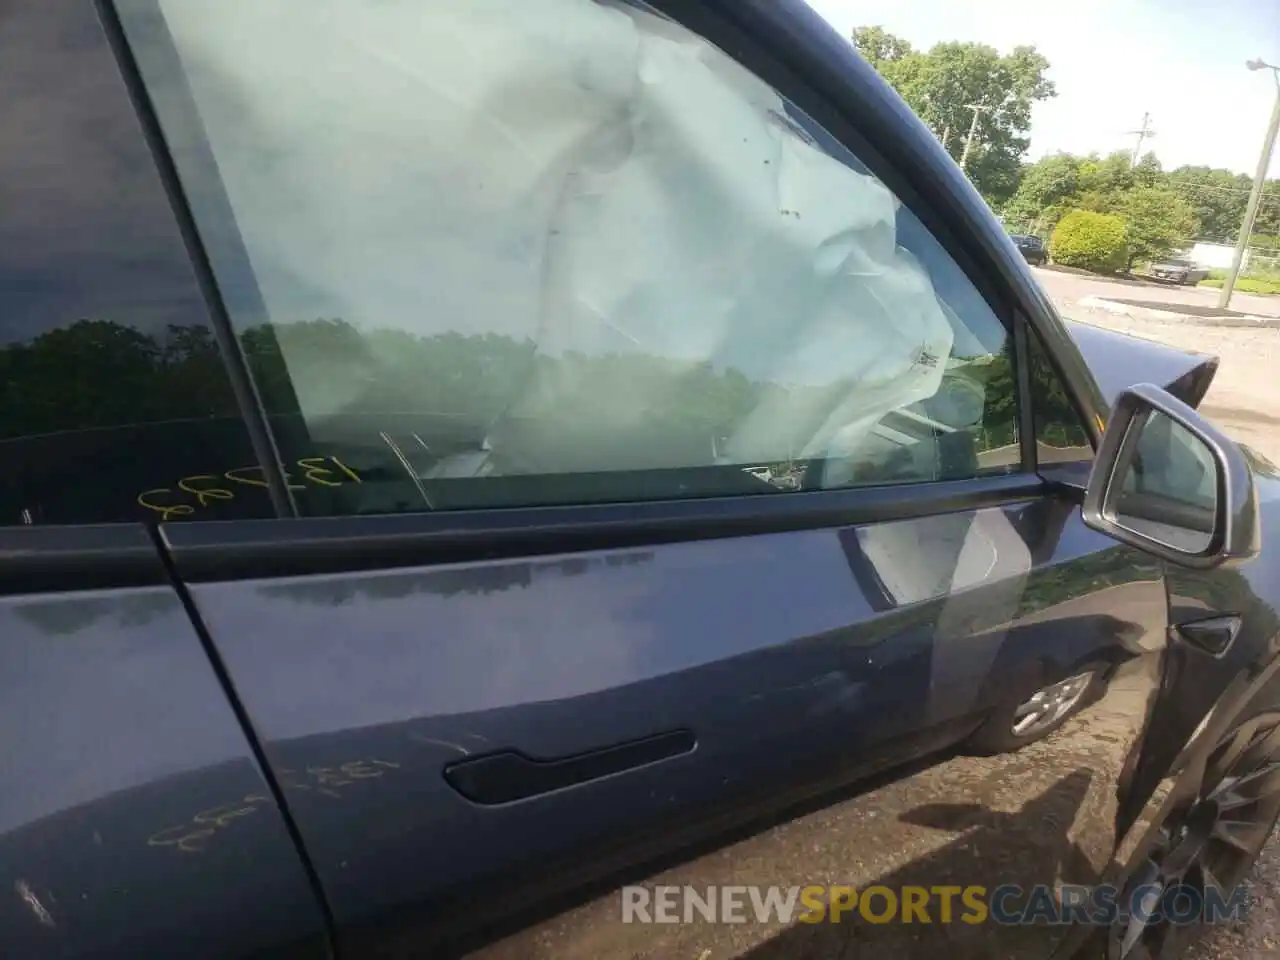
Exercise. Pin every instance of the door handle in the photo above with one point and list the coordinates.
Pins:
(509, 775)
(1213, 635)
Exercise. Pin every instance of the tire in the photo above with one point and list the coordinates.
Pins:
(1187, 847)
(1000, 731)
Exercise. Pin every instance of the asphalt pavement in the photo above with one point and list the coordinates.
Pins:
(1068, 289)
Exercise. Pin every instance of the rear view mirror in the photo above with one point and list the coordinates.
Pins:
(1167, 481)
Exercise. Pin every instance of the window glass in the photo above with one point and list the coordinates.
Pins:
(1171, 463)
(1060, 433)
(1169, 489)
(520, 252)
(114, 403)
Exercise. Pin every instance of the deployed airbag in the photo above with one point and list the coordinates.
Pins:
(582, 177)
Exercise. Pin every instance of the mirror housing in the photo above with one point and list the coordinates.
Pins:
(1167, 481)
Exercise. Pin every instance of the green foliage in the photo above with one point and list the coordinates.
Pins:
(1164, 210)
(1093, 241)
(879, 47)
(1246, 284)
(96, 373)
(1219, 198)
(941, 83)
(1157, 222)
(1046, 187)
(1148, 172)
(1256, 279)
(1104, 182)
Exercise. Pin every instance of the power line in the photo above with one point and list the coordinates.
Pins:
(1213, 186)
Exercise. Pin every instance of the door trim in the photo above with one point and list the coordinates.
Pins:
(91, 557)
(250, 549)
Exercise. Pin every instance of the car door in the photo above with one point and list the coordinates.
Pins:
(135, 814)
(656, 479)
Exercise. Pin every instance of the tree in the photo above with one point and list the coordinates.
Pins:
(1268, 222)
(941, 84)
(1094, 241)
(878, 46)
(1148, 172)
(1045, 189)
(1104, 182)
(1217, 198)
(1157, 221)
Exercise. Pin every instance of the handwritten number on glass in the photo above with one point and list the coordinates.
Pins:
(201, 493)
(172, 510)
(237, 475)
(321, 471)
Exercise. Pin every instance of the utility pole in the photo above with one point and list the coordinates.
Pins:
(1255, 195)
(946, 136)
(1142, 133)
(973, 131)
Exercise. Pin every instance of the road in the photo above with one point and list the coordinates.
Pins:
(1244, 400)
(1067, 289)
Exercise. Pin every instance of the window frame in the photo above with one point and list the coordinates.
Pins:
(233, 549)
(245, 389)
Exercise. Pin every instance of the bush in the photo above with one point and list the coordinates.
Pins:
(1094, 241)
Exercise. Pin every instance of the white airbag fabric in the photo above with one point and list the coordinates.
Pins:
(584, 176)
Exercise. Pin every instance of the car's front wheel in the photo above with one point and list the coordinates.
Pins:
(1036, 713)
(1205, 847)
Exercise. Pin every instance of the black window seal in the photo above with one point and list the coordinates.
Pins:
(265, 549)
(35, 559)
(252, 413)
(1027, 446)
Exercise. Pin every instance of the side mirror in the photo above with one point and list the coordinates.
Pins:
(1167, 481)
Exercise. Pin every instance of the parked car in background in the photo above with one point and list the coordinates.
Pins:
(1178, 270)
(1031, 248)
(496, 479)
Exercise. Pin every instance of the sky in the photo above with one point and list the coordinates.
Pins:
(1182, 61)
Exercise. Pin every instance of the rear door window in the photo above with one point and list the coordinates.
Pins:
(114, 401)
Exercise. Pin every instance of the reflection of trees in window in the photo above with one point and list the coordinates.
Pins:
(106, 412)
(1079, 576)
(1057, 421)
(98, 373)
(998, 427)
